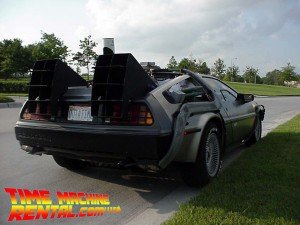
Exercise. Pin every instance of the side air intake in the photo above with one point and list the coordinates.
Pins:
(49, 81)
(118, 78)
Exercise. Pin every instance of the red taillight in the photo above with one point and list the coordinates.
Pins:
(116, 111)
(138, 114)
(42, 111)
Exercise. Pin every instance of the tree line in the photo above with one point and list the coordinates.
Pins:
(232, 73)
(17, 59)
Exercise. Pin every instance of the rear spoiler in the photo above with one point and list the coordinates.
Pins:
(117, 78)
(50, 79)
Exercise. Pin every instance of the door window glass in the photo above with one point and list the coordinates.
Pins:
(221, 89)
(228, 96)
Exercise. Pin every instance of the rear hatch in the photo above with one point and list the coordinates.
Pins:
(116, 95)
(115, 107)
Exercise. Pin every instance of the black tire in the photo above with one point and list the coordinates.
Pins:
(256, 134)
(71, 164)
(198, 174)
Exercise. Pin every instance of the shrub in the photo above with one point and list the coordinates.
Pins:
(4, 99)
(13, 86)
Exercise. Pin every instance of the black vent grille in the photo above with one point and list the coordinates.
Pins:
(118, 78)
(50, 79)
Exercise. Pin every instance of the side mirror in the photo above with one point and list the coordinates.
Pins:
(243, 98)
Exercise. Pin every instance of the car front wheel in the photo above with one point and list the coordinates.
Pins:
(208, 160)
(256, 134)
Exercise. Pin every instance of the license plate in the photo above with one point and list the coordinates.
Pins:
(79, 113)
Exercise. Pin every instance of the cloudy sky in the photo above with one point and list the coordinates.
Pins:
(260, 33)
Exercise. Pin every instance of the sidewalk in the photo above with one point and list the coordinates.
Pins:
(16, 104)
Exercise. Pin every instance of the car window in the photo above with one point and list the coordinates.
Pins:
(184, 84)
(187, 83)
(223, 91)
(228, 96)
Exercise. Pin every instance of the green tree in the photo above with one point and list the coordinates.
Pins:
(15, 59)
(194, 65)
(87, 55)
(187, 63)
(251, 75)
(172, 65)
(50, 47)
(288, 73)
(277, 77)
(239, 78)
(231, 73)
(203, 68)
(272, 77)
(219, 69)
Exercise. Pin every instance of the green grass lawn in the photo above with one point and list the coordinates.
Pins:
(256, 89)
(15, 94)
(263, 89)
(21, 80)
(16, 79)
(261, 187)
(4, 99)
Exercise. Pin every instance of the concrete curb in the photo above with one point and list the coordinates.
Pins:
(18, 102)
(165, 208)
(275, 96)
(11, 105)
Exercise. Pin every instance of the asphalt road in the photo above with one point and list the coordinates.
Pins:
(136, 193)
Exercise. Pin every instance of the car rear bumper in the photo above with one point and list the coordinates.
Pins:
(92, 141)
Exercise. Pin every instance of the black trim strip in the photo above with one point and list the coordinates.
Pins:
(240, 117)
(191, 131)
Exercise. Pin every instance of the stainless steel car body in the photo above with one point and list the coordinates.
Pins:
(177, 128)
(236, 120)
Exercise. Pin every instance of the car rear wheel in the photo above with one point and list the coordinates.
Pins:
(208, 160)
(71, 164)
(256, 134)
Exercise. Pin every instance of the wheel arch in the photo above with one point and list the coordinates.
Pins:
(218, 120)
(191, 143)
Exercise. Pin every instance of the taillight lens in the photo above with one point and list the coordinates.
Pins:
(41, 111)
(138, 114)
